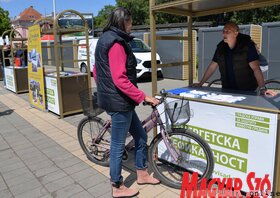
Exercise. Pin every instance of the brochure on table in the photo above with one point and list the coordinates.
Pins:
(35, 68)
(242, 140)
(207, 95)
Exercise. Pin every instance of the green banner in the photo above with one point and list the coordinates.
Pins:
(221, 139)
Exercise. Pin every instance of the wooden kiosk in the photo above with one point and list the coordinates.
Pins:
(251, 105)
(63, 86)
(15, 68)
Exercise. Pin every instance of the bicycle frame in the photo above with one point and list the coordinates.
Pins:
(148, 124)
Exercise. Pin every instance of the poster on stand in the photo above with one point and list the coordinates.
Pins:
(52, 95)
(35, 68)
(10, 79)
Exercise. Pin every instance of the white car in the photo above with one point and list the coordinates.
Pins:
(141, 51)
(82, 54)
(143, 56)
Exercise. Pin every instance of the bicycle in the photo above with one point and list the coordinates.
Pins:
(172, 152)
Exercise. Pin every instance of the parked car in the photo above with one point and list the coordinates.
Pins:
(141, 51)
(82, 54)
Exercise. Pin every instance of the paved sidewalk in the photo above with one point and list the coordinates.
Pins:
(40, 156)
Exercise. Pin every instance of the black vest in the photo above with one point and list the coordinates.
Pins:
(244, 75)
(110, 98)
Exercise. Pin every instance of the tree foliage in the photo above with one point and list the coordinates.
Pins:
(4, 20)
(257, 16)
(138, 8)
(101, 19)
(253, 16)
(140, 13)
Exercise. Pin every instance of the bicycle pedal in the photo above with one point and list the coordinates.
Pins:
(125, 155)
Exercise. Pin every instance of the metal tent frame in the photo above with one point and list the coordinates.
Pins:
(196, 8)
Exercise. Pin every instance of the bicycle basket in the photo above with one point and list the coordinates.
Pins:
(88, 99)
(178, 111)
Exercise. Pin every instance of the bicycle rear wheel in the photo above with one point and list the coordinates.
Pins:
(195, 155)
(89, 129)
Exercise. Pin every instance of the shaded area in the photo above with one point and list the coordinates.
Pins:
(6, 112)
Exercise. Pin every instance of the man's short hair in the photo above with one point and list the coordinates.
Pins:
(232, 25)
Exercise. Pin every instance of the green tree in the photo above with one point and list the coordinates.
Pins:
(140, 13)
(4, 20)
(257, 16)
(254, 16)
(138, 8)
(101, 19)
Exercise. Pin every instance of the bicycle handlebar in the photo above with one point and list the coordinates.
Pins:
(163, 94)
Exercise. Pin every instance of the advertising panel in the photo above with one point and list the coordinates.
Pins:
(10, 78)
(35, 68)
(242, 141)
(52, 95)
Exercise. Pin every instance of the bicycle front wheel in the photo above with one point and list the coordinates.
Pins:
(95, 146)
(194, 155)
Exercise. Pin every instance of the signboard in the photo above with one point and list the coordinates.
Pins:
(242, 141)
(35, 68)
(10, 78)
(52, 95)
(71, 20)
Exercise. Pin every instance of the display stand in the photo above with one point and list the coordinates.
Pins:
(15, 69)
(199, 8)
(63, 87)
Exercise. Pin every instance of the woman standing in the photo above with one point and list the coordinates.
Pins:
(118, 94)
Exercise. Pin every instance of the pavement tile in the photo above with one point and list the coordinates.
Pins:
(35, 193)
(35, 160)
(10, 161)
(59, 184)
(76, 168)
(52, 176)
(44, 144)
(68, 162)
(146, 191)
(167, 194)
(67, 191)
(89, 172)
(4, 146)
(22, 146)
(56, 151)
(2, 184)
(5, 193)
(11, 167)
(47, 196)
(24, 187)
(15, 173)
(18, 180)
(106, 195)
(92, 181)
(46, 170)
(8, 154)
(27, 151)
(38, 165)
(101, 189)
(83, 194)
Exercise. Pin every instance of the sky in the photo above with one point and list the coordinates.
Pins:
(15, 7)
